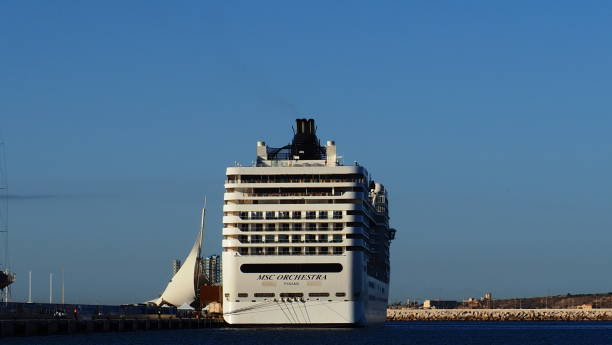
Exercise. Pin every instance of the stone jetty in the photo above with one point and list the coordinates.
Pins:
(30, 327)
(406, 314)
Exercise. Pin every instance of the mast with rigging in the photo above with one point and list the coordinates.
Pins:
(6, 276)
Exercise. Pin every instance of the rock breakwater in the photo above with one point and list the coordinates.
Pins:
(405, 314)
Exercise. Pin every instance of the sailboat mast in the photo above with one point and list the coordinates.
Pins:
(202, 222)
(4, 209)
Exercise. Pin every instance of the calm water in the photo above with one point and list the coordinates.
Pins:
(473, 333)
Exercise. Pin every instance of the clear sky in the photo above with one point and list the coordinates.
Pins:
(490, 123)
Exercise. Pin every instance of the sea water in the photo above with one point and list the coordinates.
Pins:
(431, 333)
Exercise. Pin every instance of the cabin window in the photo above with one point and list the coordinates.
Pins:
(291, 268)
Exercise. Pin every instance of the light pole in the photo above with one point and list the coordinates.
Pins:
(30, 287)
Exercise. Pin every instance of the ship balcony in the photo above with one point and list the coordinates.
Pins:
(230, 243)
(294, 184)
(319, 206)
(290, 196)
(247, 220)
(232, 231)
(289, 253)
(235, 242)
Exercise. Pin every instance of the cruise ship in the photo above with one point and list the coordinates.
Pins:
(305, 238)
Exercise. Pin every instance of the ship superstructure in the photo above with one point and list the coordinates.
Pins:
(305, 238)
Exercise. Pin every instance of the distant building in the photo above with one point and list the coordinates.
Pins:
(176, 266)
(211, 267)
(585, 306)
(439, 304)
(487, 296)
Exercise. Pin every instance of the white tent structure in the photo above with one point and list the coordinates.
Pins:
(185, 307)
(181, 289)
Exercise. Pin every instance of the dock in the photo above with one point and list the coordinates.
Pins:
(41, 327)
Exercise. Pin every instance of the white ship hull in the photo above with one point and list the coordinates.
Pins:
(308, 313)
(364, 302)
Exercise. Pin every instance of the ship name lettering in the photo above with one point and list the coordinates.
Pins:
(265, 277)
(292, 277)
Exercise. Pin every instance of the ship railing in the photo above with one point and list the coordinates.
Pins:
(293, 194)
(281, 180)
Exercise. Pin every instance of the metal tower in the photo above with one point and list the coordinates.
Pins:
(6, 276)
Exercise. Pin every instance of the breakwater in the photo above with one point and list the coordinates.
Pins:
(406, 314)
(31, 327)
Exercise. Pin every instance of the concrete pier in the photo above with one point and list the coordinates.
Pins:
(34, 327)
(406, 314)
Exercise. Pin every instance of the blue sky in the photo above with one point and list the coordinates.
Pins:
(489, 122)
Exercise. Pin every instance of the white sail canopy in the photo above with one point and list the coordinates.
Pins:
(182, 288)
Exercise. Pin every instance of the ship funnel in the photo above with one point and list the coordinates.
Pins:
(305, 144)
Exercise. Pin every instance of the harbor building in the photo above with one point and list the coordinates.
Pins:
(211, 267)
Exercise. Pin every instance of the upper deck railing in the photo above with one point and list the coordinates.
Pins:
(296, 179)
